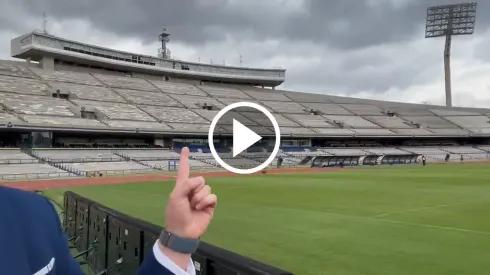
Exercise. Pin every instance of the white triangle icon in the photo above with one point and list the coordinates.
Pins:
(243, 138)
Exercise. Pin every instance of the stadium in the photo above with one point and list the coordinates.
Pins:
(349, 194)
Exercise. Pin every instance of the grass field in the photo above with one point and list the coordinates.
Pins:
(382, 220)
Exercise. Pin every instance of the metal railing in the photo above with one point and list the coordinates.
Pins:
(32, 176)
(18, 161)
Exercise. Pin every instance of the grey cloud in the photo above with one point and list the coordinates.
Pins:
(347, 26)
(194, 22)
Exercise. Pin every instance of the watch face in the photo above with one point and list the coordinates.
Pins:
(164, 237)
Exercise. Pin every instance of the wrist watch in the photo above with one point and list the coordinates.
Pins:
(177, 243)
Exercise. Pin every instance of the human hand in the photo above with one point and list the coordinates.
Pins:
(191, 205)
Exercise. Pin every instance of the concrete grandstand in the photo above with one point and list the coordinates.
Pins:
(73, 110)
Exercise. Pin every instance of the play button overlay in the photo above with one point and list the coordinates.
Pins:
(243, 138)
(247, 127)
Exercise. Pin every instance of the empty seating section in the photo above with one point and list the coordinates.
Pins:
(310, 120)
(177, 88)
(349, 100)
(258, 118)
(261, 130)
(449, 132)
(78, 155)
(430, 122)
(156, 164)
(36, 105)
(201, 155)
(62, 120)
(97, 93)
(20, 85)
(131, 83)
(455, 152)
(344, 151)
(116, 110)
(67, 76)
(424, 150)
(196, 102)
(388, 122)
(386, 151)
(150, 154)
(304, 97)
(138, 124)
(135, 103)
(266, 94)
(470, 121)
(6, 118)
(295, 130)
(462, 150)
(445, 112)
(263, 120)
(334, 131)
(225, 92)
(309, 153)
(414, 131)
(375, 132)
(329, 109)
(485, 148)
(192, 128)
(15, 156)
(227, 118)
(484, 131)
(242, 162)
(30, 171)
(148, 98)
(123, 167)
(363, 109)
(194, 164)
(228, 101)
(237, 161)
(176, 115)
(13, 70)
(401, 110)
(285, 107)
(352, 121)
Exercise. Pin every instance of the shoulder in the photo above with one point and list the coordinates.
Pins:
(24, 200)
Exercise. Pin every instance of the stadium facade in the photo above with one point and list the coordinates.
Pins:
(70, 94)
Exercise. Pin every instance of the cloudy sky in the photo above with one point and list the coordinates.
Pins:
(361, 48)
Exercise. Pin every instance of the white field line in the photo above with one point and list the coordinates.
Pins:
(352, 217)
(423, 209)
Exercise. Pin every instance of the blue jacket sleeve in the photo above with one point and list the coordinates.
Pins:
(154, 262)
(65, 263)
(150, 265)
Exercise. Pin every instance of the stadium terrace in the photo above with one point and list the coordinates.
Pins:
(72, 110)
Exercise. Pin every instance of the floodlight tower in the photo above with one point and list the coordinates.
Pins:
(449, 20)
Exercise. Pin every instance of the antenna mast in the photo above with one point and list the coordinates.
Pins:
(164, 52)
(45, 23)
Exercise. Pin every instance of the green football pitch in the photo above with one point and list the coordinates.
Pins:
(378, 220)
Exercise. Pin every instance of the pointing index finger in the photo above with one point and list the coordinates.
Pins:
(183, 173)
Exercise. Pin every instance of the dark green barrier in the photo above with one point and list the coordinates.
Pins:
(117, 243)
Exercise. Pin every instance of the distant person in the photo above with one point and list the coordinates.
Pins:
(462, 159)
(447, 157)
(423, 160)
(279, 162)
(32, 241)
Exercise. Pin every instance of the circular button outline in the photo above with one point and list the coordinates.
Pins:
(263, 110)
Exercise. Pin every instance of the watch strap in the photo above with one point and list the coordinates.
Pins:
(177, 243)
